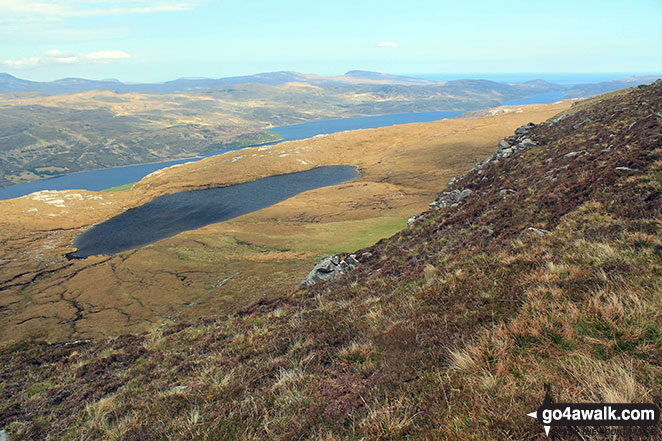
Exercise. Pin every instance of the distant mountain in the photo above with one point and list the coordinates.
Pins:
(9, 83)
(592, 89)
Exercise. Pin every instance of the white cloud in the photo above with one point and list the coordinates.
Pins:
(51, 10)
(56, 56)
(22, 64)
(387, 44)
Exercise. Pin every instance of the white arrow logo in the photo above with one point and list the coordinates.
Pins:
(534, 415)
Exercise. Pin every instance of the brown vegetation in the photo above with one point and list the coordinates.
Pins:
(265, 253)
(447, 330)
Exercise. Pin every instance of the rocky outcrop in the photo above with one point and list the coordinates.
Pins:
(329, 268)
(509, 146)
(450, 198)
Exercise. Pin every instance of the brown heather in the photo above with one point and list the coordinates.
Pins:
(447, 330)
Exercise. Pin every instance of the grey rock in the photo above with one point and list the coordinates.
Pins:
(537, 231)
(4, 436)
(69, 343)
(505, 191)
(351, 260)
(578, 125)
(505, 153)
(626, 169)
(526, 142)
(330, 268)
(524, 129)
(412, 220)
(463, 194)
(450, 198)
(327, 265)
(177, 389)
(573, 154)
(503, 145)
(557, 120)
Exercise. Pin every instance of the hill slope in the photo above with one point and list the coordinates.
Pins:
(42, 136)
(447, 330)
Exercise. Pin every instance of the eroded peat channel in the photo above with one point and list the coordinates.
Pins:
(174, 213)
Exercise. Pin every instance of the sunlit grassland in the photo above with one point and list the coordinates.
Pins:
(124, 187)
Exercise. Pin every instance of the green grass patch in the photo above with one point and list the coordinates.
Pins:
(124, 187)
(39, 387)
(346, 236)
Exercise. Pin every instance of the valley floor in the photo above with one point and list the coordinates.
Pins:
(222, 267)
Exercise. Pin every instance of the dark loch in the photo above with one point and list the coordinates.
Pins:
(171, 214)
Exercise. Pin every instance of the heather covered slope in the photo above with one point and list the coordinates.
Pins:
(447, 330)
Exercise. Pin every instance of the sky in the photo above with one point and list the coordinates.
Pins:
(160, 40)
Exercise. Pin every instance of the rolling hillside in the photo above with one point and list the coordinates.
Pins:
(548, 271)
(42, 136)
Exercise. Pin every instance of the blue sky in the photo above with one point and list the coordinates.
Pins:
(158, 40)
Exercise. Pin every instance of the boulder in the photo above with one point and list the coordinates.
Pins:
(329, 268)
(525, 143)
(526, 128)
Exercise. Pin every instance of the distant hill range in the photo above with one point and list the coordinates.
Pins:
(11, 84)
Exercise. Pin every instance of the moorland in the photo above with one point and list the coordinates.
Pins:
(220, 268)
(547, 272)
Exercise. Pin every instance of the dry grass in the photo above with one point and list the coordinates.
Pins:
(267, 252)
(444, 331)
